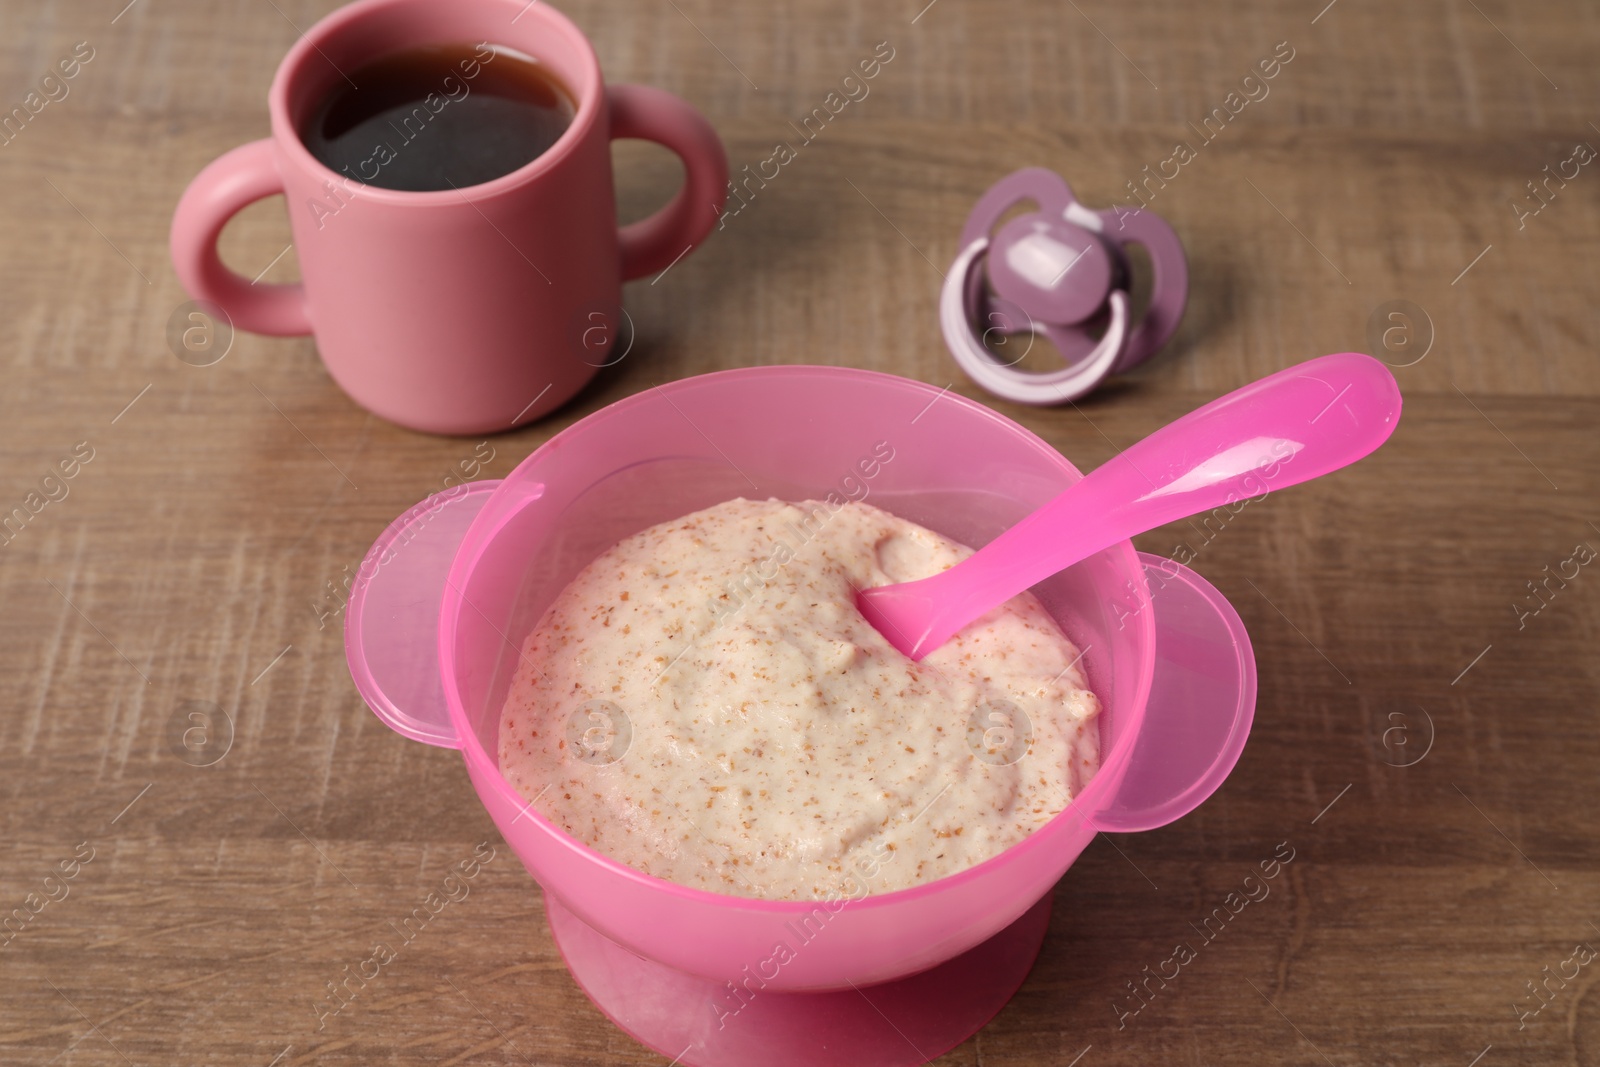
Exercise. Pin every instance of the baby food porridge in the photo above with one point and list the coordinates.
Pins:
(704, 703)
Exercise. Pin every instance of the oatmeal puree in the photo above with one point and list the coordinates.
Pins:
(780, 747)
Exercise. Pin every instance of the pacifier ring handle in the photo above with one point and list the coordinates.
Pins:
(963, 288)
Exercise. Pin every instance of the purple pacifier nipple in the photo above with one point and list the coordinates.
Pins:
(1060, 271)
(1052, 270)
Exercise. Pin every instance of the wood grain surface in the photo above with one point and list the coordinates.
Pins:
(188, 565)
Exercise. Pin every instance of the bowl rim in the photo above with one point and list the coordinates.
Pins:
(484, 769)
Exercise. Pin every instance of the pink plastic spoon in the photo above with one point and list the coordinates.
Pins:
(1287, 428)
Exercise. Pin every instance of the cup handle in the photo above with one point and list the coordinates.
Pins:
(232, 181)
(647, 114)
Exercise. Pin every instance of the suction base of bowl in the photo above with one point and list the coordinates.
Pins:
(696, 1022)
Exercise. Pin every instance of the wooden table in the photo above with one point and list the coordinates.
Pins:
(188, 568)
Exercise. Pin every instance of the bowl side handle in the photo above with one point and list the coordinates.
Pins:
(1202, 702)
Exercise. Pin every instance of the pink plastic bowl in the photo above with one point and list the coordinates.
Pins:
(447, 595)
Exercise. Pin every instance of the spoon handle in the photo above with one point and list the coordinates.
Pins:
(1287, 428)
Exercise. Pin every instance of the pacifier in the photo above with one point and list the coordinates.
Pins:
(1060, 271)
